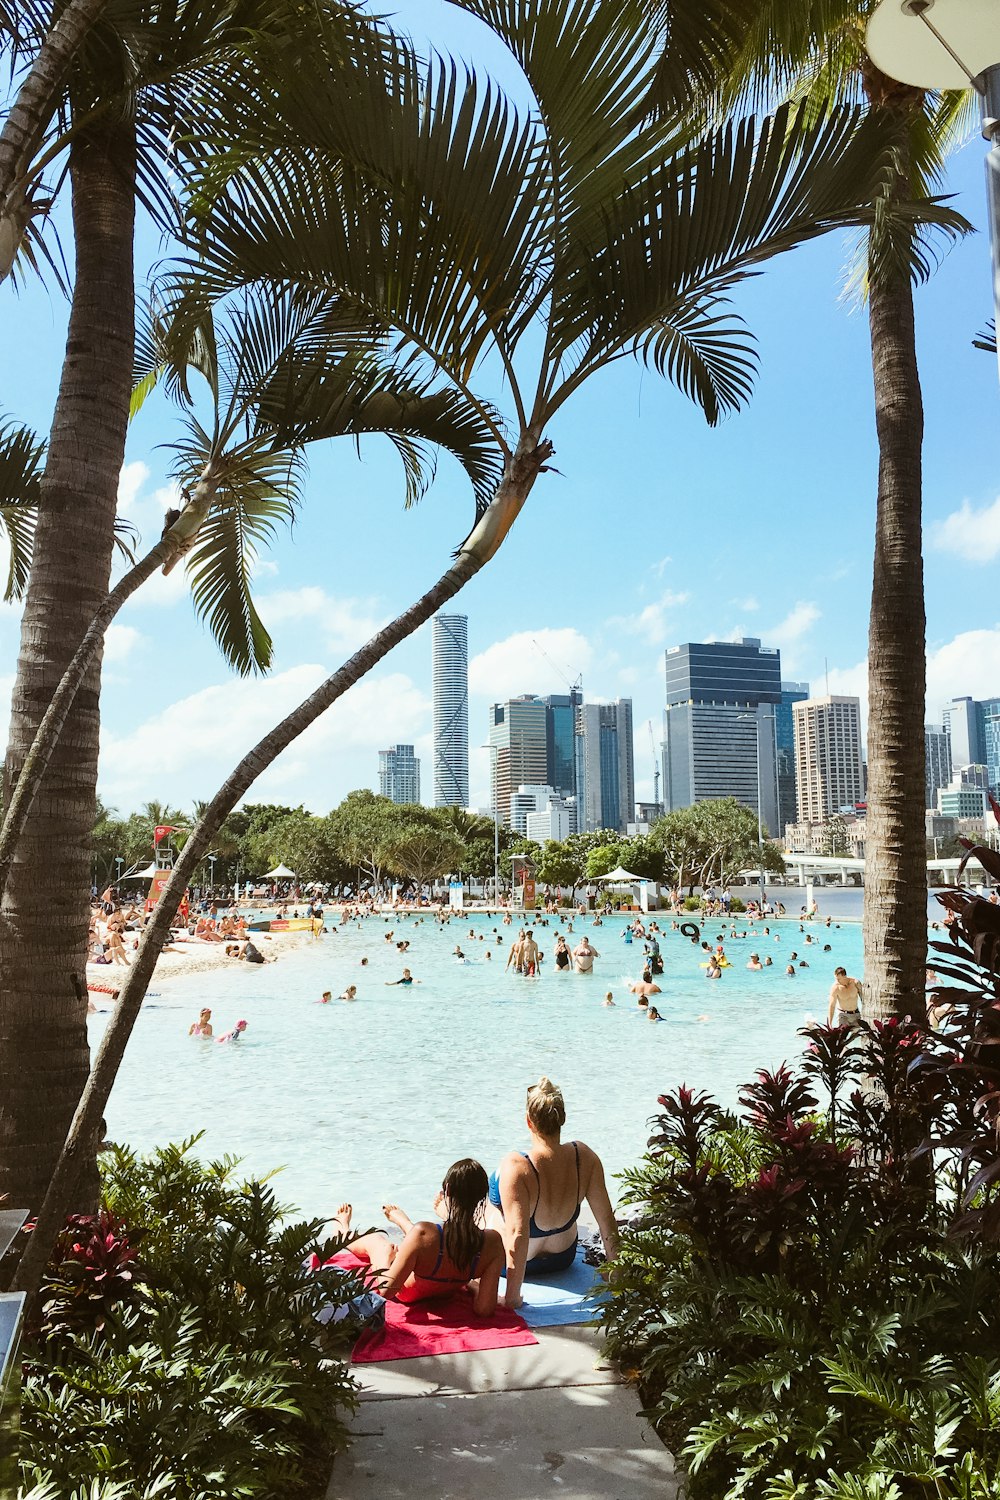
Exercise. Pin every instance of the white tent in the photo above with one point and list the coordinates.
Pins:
(280, 872)
(146, 874)
(619, 877)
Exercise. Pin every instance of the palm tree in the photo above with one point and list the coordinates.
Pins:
(129, 83)
(815, 50)
(439, 216)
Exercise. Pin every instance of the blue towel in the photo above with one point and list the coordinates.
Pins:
(571, 1296)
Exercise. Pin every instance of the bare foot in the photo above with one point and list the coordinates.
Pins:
(396, 1216)
(343, 1217)
(441, 1204)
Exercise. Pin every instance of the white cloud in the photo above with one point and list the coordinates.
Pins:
(651, 623)
(973, 535)
(750, 604)
(342, 625)
(795, 625)
(119, 642)
(967, 664)
(657, 568)
(532, 661)
(186, 749)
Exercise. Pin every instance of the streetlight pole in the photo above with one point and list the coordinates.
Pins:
(119, 861)
(211, 872)
(495, 750)
(760, 812)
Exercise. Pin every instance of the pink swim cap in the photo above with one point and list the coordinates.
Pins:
(241, 1026)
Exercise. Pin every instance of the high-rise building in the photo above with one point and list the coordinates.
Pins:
(828, 761)
(560, 740)
(605, 765)
(399, 774)
(937, 761)
(518, 739)
(973, 727)
(719, 725)
(451, 710)
(784, 749)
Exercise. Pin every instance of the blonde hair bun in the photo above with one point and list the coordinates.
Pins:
(546, 1108)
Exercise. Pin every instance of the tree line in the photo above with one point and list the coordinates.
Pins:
(368, 842)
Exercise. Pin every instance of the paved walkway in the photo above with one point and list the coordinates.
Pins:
(504, 1424)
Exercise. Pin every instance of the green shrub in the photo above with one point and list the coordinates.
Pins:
(736, 904)
(812, 1303)
(692, 903)
(213, 1385)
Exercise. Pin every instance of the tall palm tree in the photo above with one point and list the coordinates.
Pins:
(134, 78)
(557, 243)
(815, 50)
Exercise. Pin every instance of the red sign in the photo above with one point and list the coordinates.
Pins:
(160, 832)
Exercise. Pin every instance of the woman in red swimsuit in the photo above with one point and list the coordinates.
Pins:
(434, 1259)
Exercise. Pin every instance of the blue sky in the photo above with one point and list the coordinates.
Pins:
(656, 530)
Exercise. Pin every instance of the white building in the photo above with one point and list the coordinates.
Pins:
(399, 774)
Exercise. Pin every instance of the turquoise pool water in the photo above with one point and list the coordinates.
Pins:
(372, 1100)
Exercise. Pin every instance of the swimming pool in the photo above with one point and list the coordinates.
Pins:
(373, 1100)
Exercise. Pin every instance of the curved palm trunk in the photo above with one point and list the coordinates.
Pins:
(29, 118)
(78, 1151)
(895, 902)
(44, 1057)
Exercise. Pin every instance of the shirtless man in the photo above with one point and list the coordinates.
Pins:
(584, 955)
(845, 999)
(529, 955)
(644, 987)
(515, 958)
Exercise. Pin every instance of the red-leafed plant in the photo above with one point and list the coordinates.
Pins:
(95, 1274)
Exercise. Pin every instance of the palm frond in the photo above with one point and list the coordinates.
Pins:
(987, 339)
(21, 456)
(257, 490)
(709, 358)
(700, 223)
(311, 398)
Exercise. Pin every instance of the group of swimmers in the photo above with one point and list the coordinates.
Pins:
(203, 1028)
(519, 1223)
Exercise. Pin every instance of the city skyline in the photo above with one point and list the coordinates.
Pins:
(678, 533)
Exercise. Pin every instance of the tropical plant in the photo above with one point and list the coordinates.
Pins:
(559, 243)
(195, 1371)
(710, 842)
(815, 50)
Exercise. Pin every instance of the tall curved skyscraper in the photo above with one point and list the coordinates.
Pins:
(451, 710)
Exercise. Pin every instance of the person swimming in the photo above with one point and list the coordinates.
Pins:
(203, 1025)
(235, 1034)
(653, 1014)
(407, 978)
(351, 993)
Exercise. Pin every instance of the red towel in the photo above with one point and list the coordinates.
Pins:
(446, 1325)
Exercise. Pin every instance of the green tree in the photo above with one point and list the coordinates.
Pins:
(561, 865)
(815, 49)
(420, 851)
(710, 842)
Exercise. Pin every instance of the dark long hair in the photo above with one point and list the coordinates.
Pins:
(465, 1187)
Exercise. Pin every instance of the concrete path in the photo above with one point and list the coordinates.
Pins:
(504, 1424)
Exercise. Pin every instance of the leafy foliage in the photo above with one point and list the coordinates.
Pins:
(20, 476)
(214, 1386)
(810, 1300)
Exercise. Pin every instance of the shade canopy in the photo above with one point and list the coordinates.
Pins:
(903, 45)
(280, 872)
(619, 875)
(146, 874)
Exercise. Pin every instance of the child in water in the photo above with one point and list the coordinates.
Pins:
(609, 999)
(235, 1034)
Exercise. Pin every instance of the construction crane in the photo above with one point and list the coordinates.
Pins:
(574, 687)
(656, 765)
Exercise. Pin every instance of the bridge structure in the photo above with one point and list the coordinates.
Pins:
(842, 867)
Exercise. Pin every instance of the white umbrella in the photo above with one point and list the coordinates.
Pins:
(619, 877)
(146, 874)
(280, 872)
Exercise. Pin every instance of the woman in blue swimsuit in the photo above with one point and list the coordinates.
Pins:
(537, 1195)
(434, 1259)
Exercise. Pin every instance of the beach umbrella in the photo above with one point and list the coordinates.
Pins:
(146, 874)
(280, 872)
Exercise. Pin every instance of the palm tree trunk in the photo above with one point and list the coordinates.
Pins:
(20, 797)
(519, 478)
(29, 117)
(895, 903)
(44, 1057)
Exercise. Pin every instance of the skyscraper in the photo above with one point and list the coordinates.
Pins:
(399, 774)
(784, 746)
(451, 710)
(605, 765)
(560, 740)
(937, 761)
(829, 771)
(973, 727)
(518, 738)
(719, 725)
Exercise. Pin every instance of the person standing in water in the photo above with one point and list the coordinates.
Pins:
(845, 1000)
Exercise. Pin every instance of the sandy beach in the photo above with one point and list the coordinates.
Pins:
(193, 957)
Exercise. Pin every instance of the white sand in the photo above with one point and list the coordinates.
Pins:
(193, 957)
